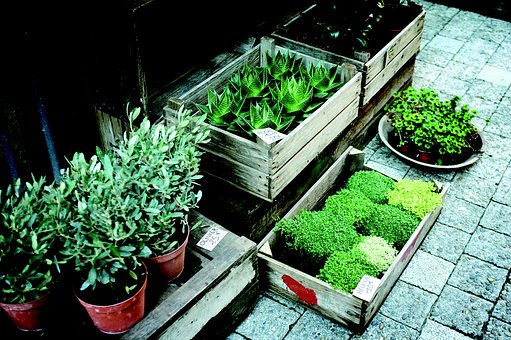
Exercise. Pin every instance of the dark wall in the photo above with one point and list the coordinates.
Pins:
(500, 9)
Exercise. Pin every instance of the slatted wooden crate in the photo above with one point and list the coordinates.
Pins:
(347, 309)
(264, 169)
(380, 67)
(217, 288)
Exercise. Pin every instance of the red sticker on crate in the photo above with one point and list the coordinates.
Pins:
(305, 294)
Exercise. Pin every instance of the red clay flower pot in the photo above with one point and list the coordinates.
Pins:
(171, 265)
(120, 317)
(28, 316)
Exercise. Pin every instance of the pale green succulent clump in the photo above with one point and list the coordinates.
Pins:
(418, 197)
(378, 252)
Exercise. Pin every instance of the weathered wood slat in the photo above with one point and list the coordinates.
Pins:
(395, 47)
(194, 302)
(388, 72)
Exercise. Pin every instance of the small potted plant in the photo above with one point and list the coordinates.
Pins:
(435, 131)
(27, 249)
(129, 204)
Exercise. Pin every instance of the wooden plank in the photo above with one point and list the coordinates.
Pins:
(313, 148)
(229, 254)
(212, 303)
(384, 76)
(309, 291)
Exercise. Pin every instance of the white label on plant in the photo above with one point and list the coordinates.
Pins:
(269, 135)
(366, 288)
(212, 238)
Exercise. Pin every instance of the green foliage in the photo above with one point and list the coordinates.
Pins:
(27, 242)
(343, 270)
(317, 233)
(419, 116)
(378, 252)
(131, 202)
(350, 204)
(418, 197)
(391, 223)
(279, 95)
(373, 184)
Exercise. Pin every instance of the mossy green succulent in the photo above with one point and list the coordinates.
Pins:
(378, 252)
(392, 223)
(352, 204)
(416, 196)
(343, 270)
(317, 233)
(371, 183)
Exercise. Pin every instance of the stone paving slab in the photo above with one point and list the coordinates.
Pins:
(434, 331)
(497, 217)
(266, 311)
(497, 330)
(408, 305)
(460, 214)
(445, 242)
(314, 326)
(462, 311)
(490, 246)
(382, 327)
(503, 193)
(473, 188)
(486, 90)
(478, 277)
(502, 309)
(428, 272)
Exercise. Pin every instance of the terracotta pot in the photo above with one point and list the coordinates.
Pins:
(120, 317)
(28, 316)
(171, 265)
(425, 156)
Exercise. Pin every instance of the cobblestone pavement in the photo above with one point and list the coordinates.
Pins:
(458, 284)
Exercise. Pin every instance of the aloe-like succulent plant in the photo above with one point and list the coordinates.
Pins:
(293, 93)
(284, 64)
(222, 108)
(262, 115)
(324, 80)
(252, 82)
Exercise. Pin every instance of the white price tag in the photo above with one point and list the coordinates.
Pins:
(212, 237)
(366, 288)
(268, 135)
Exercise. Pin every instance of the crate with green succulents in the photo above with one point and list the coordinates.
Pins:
(271, 111)
(343, 245)
(380, 37)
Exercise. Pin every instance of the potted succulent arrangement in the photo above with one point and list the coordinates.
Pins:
(340, 249)
(27, 250)
(421, 127)
(129, 205)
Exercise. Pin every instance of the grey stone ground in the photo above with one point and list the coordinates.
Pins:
(458, 285)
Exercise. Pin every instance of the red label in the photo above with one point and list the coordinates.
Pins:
(305, 294)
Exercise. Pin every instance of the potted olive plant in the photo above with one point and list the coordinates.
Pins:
(27, 240)
(129, 205)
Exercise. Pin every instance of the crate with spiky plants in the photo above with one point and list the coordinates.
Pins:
(270, 113)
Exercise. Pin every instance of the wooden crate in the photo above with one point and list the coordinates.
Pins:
(380, 67)
(265, 169)
(216, 290)
(315, 294)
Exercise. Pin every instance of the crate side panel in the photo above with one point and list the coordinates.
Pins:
(395, 47)
(310, 127)
(313, 148)
(391, 69)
